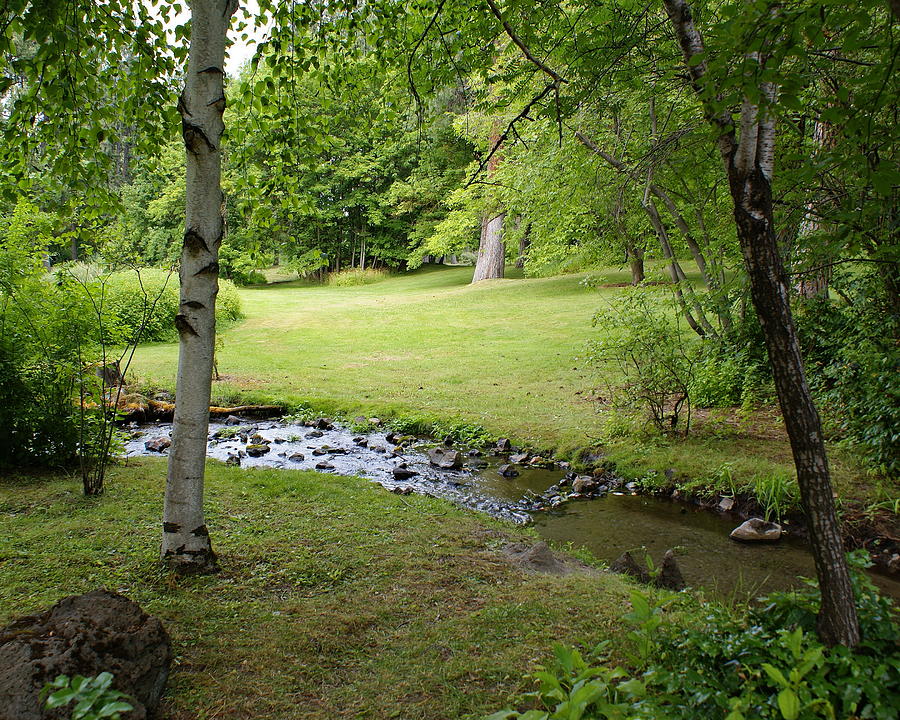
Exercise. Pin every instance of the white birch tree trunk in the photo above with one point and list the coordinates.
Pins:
(185, 539)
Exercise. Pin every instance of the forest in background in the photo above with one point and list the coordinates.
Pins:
(376, 138)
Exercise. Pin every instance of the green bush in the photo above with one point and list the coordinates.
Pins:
(719, 377)
(355, 276)
(46, 338)
(852, 356)
(764, 663)
(143, 304)
(643, 347)
(138, 304)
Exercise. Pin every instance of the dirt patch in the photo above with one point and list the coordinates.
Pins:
(539, 558)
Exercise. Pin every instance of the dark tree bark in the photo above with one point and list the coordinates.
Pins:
(635, 262)
(748, 157)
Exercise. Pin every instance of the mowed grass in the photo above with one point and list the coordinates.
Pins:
(506, 354)
(337, 599)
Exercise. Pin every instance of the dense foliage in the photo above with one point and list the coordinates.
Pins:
(760, 663)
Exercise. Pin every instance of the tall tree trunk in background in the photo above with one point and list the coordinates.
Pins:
(748, 157)
(491, 262)
(362, 246)
(816, 271)
(185, 540)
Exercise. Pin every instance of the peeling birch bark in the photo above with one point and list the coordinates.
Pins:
(185, 539)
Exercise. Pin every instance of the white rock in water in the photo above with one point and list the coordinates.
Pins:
(757, 530)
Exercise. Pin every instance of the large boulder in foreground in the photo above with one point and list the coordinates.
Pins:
(83, 635)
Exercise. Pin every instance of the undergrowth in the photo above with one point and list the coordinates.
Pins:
(762, 663)
(355, 276)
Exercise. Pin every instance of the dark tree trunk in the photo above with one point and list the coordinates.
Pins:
(749, 159)
(524, 242)
(769, 290)
(635, 262)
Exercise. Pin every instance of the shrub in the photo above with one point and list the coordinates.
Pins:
(852, 358)
(642, 342)
(762, 663)
(719, 377)
(138, 304)
(46, 338)
(143, 304)
(355, 276)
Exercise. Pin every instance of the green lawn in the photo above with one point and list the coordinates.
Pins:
(337, 599)
(506, 354)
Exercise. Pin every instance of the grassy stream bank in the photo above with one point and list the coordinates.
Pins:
(337, 598)
(506, 355)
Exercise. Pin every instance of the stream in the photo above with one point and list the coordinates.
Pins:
(608, 524)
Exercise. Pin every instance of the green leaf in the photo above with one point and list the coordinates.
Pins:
(113, 708)
(60, 698)
(775, 674)
(789, 704)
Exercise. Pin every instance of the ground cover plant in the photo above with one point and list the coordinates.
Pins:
(732, 663)
(336, 598)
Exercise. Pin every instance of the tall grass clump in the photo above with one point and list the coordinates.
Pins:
(356, 276)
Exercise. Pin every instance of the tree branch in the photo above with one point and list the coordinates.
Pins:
(555, 76)
(509, 128)
(692, 48)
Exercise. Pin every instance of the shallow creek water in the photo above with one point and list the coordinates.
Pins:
(607, 525)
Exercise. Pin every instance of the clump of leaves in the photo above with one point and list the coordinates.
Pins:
(94, 697)
(573, 688)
